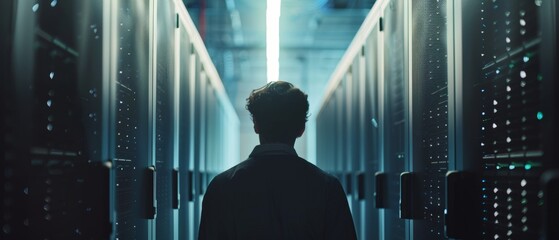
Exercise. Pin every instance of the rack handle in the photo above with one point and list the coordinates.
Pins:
(150, 207)
(361, 186)
(381, 181)
(409, 196)
(175, 190)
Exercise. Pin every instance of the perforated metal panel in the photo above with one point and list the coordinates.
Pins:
(164, 117)
(185, 130)
(372, 134)
(395, 114)
(511, 114)
(131, 103)
(55, 131)
(430, 111)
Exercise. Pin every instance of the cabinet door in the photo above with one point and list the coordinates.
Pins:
(53, 121)
(430, 111)
(164, 117)
(131, 143)
(503, 78)
(371, 136)
(396, 115)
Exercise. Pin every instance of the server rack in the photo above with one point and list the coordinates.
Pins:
(131, 119)
(396, 117)
(464, 89)
(164, 114)
(430, 115)
(101, 138)
(371, 134)
(52, 123)
(347, 146)
(504, 66)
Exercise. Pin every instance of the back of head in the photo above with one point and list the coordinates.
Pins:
(279, 111)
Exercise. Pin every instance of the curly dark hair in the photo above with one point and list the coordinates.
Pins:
(280, 110)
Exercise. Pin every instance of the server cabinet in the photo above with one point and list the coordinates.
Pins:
(372, 125)
(90, 86)
(131, 140)
(348, 134)
(186, 128)
(164, 115)
(395, 114)
(53, 121)
(504, 63)
(430, 111)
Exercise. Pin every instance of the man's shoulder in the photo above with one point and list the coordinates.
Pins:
(227, 178)
(228, 175)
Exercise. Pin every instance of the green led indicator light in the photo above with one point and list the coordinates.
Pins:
(511, 65)
(539, 115)
(540, 77)
(528, 166)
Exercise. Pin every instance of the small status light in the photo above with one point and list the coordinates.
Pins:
(35, 7)
(539, 115)
(511, 167)
(528, 166)
(525, 59)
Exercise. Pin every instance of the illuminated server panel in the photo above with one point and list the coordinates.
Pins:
(510, 87)
(430, 112)
(131, 133)
(99, 131)
(53, 147)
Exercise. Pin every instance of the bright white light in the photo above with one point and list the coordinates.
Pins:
(272, 39)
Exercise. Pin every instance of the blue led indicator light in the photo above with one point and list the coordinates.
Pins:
(539, 115)
(528, 166)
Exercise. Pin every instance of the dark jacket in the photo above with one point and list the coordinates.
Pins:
(275, 195)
